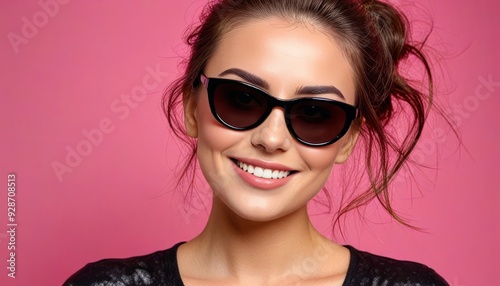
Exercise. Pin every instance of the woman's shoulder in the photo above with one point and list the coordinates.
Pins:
(370, 269)
(158, 268)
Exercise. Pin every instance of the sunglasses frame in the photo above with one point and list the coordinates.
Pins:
(211, 85)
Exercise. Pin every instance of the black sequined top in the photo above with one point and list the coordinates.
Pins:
(160, 268)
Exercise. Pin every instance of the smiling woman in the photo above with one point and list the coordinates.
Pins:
(269, 49)
(275, 94)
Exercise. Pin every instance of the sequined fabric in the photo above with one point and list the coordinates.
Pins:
(160, 268)
(366, 269)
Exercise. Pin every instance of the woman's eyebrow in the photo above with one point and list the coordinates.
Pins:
(306, 90)
(321, 89)
(251, 78)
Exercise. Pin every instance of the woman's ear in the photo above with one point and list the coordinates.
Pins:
(190, 120)
(350, 141)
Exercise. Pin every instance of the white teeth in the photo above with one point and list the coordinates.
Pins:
(258, 172)
(275, 174)
(267, 174)
(263, 173)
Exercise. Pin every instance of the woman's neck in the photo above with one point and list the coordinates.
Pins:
(277, 250)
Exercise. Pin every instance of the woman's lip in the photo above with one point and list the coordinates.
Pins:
(260, 183)
(263, 164)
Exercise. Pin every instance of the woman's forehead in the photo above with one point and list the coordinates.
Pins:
(287, 55)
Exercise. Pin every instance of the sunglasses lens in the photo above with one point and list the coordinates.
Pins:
(238, 105)
(317, 122)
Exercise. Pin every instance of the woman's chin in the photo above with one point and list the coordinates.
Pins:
(259, 213)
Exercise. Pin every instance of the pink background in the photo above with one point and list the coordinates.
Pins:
(69, 75)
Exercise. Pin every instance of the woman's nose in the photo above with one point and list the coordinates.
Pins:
(272, 134)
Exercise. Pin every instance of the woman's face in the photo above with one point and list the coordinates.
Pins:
(287, 57)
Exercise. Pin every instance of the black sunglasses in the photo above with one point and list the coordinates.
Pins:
(313, 121)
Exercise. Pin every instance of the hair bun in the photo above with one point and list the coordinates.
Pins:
(391, 26)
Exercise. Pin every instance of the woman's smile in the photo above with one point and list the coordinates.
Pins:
(263, 169)
(262, 175)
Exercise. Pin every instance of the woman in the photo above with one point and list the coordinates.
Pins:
(275, 94)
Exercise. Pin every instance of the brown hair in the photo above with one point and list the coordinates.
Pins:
(375, 38)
